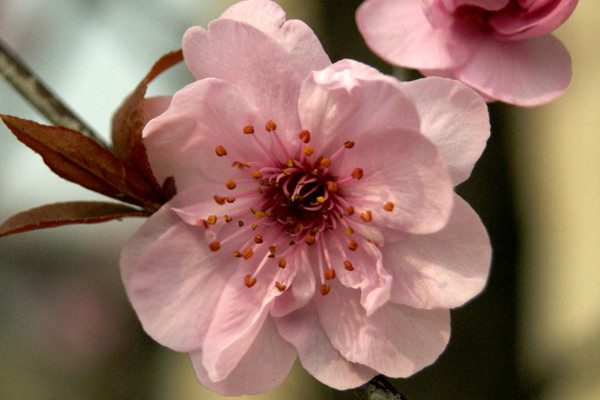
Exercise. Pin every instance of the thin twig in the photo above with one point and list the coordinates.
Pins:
(378, 388)
(39, 96)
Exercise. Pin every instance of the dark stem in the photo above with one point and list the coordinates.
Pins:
(378, 388)
(39, 96)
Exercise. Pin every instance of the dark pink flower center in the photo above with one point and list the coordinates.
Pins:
(296, 201)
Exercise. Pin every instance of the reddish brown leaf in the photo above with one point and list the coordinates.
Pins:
(127, 122)
(81, 160)
(79, 212)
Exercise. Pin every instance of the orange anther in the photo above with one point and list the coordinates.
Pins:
(220, 200)
(366, 216)
(230, 184)
(329, 274)
(389, 206)
(270, 126)
(350, 210)
(249, 281)
(308, 151)
(357, 173)
(214, 246)
(280, 286)
(348, 265)
(256, 175)
(258, 239)
(248, 253)
(325, 289)
(220, 150)
(212, 219)
(349, 144)
(248, 129)
(332, 187)
(305, 136)
(310, 239)
(325, 162)
(282, 263)
(352, 245)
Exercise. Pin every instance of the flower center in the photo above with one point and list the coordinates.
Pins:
(296, 201)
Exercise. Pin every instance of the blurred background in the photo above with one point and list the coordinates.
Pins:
(68, 332)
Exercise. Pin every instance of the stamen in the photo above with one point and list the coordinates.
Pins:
(325, 162)
(366, 216)
(349, 144)
(212, 219)
(310, 239)
(248, 253)
(305, 136)
(220, 150)
(329, 274)
(325, 289)
(280, 286)
(348, 265)
(352, 245)
(282, 263)
(256, 175)
(270, 126)
(230, 184)
(308, 151)
(202, 222)
(220, 200)
(332, 187)
(249, 281)
(249, 129)
(350, 210)
(349, 231)
(227, 218)
(214, 246)
(357, 173)
(258, 239)
(389, 206)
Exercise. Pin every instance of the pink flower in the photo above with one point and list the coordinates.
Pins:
(502, 48)
(315, 216)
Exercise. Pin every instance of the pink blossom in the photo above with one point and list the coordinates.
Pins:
(502, 48)
(315, 215)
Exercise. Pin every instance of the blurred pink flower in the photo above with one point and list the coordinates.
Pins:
(502, 48)
(315, 216)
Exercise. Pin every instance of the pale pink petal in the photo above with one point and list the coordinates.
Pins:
(181, 142)
(263, 367)
(300, 292)
(348, 99)
(526, 73)
(400, 33)
(253, 62)
(303, 329)
(369, 274)
(154, 106)
(294, 35)
(401, 167)
(238, 316)
(454, 118)
(396, 341)
(444, 269)
(172, 280)
(542, 18)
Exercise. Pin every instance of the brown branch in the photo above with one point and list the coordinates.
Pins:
(39, 96)
(378, 388)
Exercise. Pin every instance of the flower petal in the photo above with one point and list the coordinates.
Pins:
(294, 36)
(443, 269)
(396, 341)
(368, 275)
(165, 270)
(519, 72)
(454, 118)
(253, 62)
(181, 142)
(300, 292)
(238, 317)
(401, 167)
(264, 366)
(399, 32)
(348, 99)
(303, 329)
